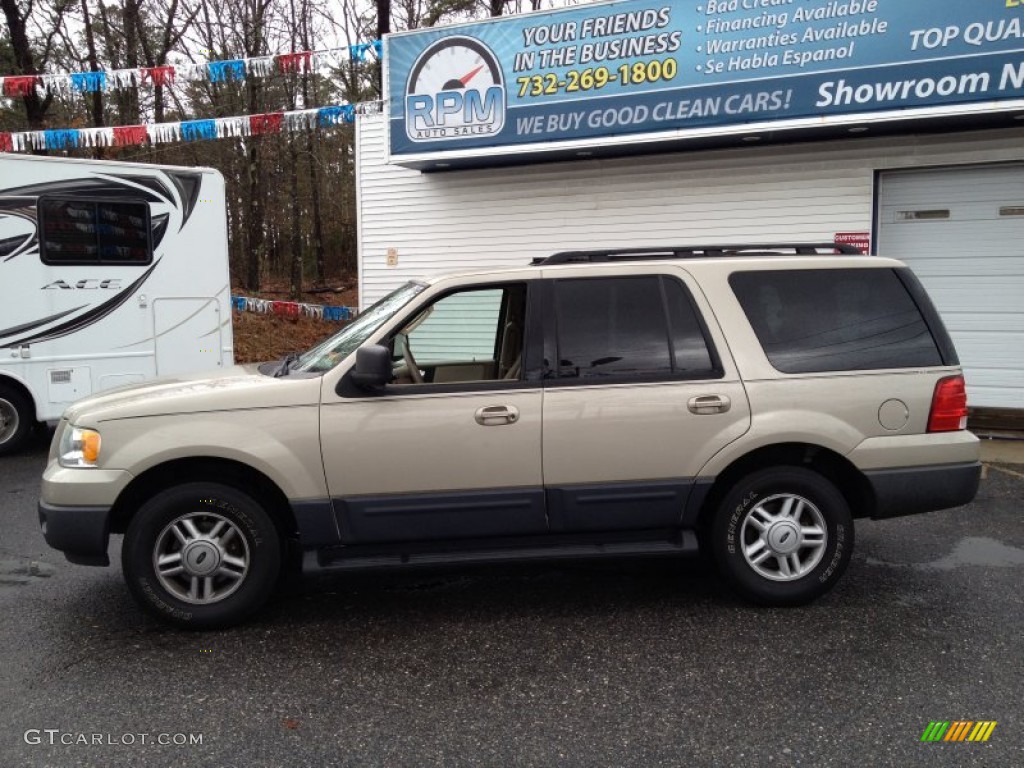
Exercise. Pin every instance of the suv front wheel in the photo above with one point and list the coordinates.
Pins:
(201, 555)
(783, 536)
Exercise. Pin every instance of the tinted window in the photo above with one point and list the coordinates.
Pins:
(94, 232)
(627, 326)
(688, 342)
(835, 320)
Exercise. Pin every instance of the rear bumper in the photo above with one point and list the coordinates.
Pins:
(81, 533)
(912, 490)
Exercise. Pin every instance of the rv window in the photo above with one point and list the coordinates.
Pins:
(94, 232)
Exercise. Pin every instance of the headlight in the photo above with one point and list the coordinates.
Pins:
(79, 447)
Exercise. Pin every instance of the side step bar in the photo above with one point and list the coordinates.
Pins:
(351, 559)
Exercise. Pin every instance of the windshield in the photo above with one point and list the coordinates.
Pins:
(329, 353)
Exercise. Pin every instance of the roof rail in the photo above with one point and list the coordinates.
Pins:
(697, 252)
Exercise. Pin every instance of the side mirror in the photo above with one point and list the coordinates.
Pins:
(373, 367)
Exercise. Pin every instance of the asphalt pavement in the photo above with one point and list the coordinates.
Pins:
(611, 664)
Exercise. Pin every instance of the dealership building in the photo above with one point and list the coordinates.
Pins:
(896, 125)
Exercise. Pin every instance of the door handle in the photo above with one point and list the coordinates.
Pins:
(497, 415)
(709, 404)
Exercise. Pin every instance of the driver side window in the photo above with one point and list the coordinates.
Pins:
(471, 335)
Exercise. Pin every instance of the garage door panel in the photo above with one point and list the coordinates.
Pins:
(964, 266)
(971, 263)
(983, 388)
(979, 183)
(994, 351)
(995, 323)
(938, 214)
(951, 294)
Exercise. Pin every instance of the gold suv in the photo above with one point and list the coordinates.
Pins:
(748, 400)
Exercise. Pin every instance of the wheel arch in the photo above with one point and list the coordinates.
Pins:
(849, 480)
(229, 472)
(18, 385)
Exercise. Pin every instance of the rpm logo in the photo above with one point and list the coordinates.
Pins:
(455, 91)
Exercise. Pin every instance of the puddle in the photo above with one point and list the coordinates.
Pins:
(979, 551)
(970, 551)
(20, 570)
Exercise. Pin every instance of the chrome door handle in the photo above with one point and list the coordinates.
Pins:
(496, 415)
(708, 404)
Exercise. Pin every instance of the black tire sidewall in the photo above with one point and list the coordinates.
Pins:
(746, 494)
(252, 521)
(26, 419)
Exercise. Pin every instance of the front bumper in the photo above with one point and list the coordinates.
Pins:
(81, 533)
(912, 490)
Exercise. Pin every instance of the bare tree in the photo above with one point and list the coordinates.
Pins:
(31, 56)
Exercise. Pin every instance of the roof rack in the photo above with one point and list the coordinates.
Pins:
(697, 252)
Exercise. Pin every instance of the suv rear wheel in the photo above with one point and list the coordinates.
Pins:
(201, 555)
(783, 536)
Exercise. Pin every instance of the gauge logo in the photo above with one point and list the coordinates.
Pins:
(455, 91)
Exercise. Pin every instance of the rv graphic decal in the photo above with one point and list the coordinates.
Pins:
(19, 213)
(88, 318)
(171, 197)
(39, 323)
(84, 285)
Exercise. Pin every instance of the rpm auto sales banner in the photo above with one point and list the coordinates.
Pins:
(649, 67)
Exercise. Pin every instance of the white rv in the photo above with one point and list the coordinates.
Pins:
(110, 273)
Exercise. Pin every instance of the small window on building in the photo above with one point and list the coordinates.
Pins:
(835, 320)
(934, 214)
(97, 232)
(1011, 210)
(635, 326)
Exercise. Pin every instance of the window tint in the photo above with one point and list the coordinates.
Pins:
(835, 320)
(639, 326)
(94, 232)
(688, 342)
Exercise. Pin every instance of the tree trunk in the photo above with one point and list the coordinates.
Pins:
(318, 228)
(35, 108)
(94, 66)
(296, 244)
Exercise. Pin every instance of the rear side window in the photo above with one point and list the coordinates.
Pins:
(835, 320)
(94, 232)
(629, 327)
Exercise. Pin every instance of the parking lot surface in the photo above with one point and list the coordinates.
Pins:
(626, 663)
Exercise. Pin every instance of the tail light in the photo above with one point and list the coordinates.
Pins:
(949, 405)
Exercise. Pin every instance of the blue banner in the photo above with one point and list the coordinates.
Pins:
(654, 67)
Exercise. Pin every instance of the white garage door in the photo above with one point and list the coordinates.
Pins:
(962, 232)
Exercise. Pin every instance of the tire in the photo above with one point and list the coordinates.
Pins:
(221, 553)
(783, 536)
(17, 417)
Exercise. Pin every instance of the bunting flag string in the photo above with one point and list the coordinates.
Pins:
(188, 130)
(292, 309)
(18, 86)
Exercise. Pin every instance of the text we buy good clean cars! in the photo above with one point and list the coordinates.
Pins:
(747, 400)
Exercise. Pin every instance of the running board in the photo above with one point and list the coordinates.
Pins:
(351, 559)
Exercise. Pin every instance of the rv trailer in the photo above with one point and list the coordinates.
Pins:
(110, 273)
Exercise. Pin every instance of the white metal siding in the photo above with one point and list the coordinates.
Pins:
(972, 264)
